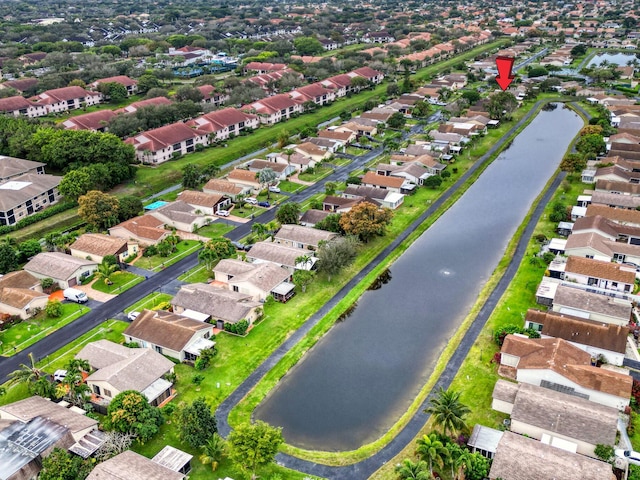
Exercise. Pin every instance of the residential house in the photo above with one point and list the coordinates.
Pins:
(19, 105)
(340, 84)
(312, 217)
(282, 170)
(211, 96)
(344, 137)
(600, 340)
(33, 407)
(22, 85)
(315, 93)
(244, 179)
(164, 143)
(181, 216)
(122, 368)
(518, 457)
(129, 83)
(613, 173)
(374, 76)
(618, 215)
(66, 98)
(94, 121)
(312, 151)
(149, 102)
(96, 246)
(21, 294)
(280, 255)
(358, 129)
(218, 306)
(427, 162)
(256, 279)
(277, 108)
(217, 186)
(598, 247)
(375, 195)
(328, 144)
(264, 67)
(173, 335)
(225, 123)
(296, 236)
(412, 172)
(393, 184)
(333, 204)
(65, 270)
(598, 274)
(133, 466)
(620, 188)
(555, 418)
(556, 364)
(569, 300)
(205, 203)
(145, 229)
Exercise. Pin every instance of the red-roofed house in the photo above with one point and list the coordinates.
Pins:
(95, 121)
(19, 105)
(225, 123)
(274, 109)
(340, 84)
(129, 83)
(393, 184)
(315, 93)
(370, 74)
(209, 95)
(66, 98)
(263, 67)
(146, 230)
(161, 144)
(149, 102)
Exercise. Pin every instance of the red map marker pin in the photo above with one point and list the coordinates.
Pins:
(505, 65)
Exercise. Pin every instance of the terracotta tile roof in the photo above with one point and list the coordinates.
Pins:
(64, 94)
(144, 226)
(270, 105)
(121, 79)
(598, 269)
(163, 137)
(579, 330)
(99, 244)
(265, 66)
(223, 186)
(202, 199)
(245, 175)
(344, 136)
(569, 361)
(89, 121)
(165, 329)
(371, 178)
(149, 102)
(11, 104)
(595, 222)
(260, 164)
(367, 72)
(308, 148)
(220, 119)
(522, 458)
(21, 84)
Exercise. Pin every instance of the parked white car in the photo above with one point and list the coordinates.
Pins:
(274, 189)
(75, 295)
(133, 315)
(631, 456)
(59, 375)
(222, 213)
(251, 201)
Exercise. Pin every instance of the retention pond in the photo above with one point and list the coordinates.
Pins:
(362, 376)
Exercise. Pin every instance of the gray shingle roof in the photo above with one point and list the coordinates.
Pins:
(18, 190)
(56, 264)
(306, 235)
(217, 302)
(129, 465)
(165, 329)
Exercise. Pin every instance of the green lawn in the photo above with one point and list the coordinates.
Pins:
(215, 229)
(23, 335)
(340, 161)
(247, 210)
(356, 151)
(291, 187)
(318, 174)
(58, 222)
(149, 302)
(198, 274)
(120, 282)
(109, 330)
(156, 262)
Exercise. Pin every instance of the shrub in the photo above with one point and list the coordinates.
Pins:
(197, 379)
(53, 308)
(239, 328)
(150, 251)
(36, 217)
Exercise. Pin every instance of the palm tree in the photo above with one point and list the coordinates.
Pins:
(44, 388)
(460, 463)
(447, 410)
(105, 270)
(409, 470)
(432, 450)
(303, 259)
(259, 230)
(213, 451)
(28, 374)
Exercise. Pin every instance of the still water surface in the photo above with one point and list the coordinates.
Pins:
(620, 59)
(359, 379)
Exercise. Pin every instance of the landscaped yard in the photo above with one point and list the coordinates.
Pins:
(291, 187)
(156, 262)
(198, 274)
(247, 210)
(120, 282)
(150, 302)
(216, 229)
(319, 172)
(355, 151)
(25, 334)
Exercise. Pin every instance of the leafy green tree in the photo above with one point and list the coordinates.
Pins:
(253, 446)
(397, 120)
(75, 183)
(53, 309)
(190, 176)
(115, 92)
(130, 412)
(260, 230)
(307, 45)
(187, 92)
(146, 82)
(578, 50)
(433, 181)
(591, 145)
(409, 470)
(478, 467)
(129, 207)
(501, 105)
(8, 258)
(213, 451)
(471, 96)
(302, 278)
(29, 248)
(98, 209)
(197, 423)
(432, 451)
(62, 465)
(216, 249)
(448, 411)
(337, 254)
(331, 223)
(288, 213)
(573, 162)
(421, 109)
(366, 220)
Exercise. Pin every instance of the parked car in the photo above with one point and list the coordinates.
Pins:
(75, 295)
(251, 201)
(274, 189)
(222, 213)
(264, 204)
(631, 456)
(59, 375)
(133, 315)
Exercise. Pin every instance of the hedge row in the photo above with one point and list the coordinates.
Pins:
(36, 217)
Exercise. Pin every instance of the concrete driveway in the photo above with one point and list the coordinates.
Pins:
(95, 294)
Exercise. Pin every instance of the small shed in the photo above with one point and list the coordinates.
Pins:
(565, 228)
(484, 440)
(174, 459)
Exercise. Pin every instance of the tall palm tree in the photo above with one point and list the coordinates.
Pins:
(213, 451)
(27, 373)
(409, 470)
(432, 450)
(460, 463)
(447, 411)
(105, 270)
(259, 230)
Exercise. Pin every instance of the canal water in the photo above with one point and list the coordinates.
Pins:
(620, 59)
(364, 373)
